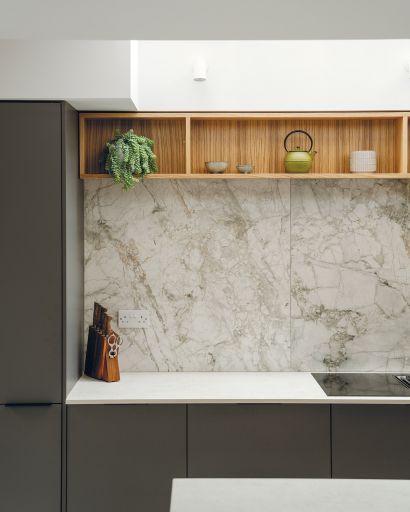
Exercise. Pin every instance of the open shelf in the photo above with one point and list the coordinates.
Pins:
(167, 132)
(183, 142)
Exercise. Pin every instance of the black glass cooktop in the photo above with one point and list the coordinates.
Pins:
(362, 384)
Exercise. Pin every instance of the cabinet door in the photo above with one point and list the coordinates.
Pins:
(31, 252)
(30, 459)
(371, 441)
(124, 457)
(259, 441)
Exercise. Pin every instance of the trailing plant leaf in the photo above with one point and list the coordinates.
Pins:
(129, 157)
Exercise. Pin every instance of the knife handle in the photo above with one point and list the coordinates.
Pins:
(103, 311)
(95, 314)
(106, 328)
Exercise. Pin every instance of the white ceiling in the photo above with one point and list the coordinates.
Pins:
(204, 19)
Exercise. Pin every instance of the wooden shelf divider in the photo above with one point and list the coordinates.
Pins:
(188, 145)
(184, 141)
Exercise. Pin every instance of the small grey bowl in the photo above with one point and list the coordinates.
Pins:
(244, 168)
(216, 167)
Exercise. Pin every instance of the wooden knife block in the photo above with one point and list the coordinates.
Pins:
(98, 363)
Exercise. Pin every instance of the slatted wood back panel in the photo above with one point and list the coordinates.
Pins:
(260, 143)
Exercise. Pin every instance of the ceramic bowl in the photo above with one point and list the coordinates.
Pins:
(216, 167)
(244, 168)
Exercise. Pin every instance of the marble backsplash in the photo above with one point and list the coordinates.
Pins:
(254, 275)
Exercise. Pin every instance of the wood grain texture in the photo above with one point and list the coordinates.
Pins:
(185, 141)
(98, 364)
(168, 136)
(260, 143)
(188, 145)
(266, 176)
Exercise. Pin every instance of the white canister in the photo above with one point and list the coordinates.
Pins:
(363, 161)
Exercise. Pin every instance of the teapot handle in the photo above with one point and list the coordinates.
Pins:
(298, 131)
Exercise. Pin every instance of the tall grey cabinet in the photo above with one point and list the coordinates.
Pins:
(40, 244)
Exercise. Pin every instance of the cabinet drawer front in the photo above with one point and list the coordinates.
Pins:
(371, 441)
(30, 460)
(259, 441)
(123, 457)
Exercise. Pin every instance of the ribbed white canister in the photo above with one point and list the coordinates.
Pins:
(363, 161)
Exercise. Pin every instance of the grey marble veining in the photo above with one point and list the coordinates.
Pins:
(350, 275)
(256, 275)
(209, 260)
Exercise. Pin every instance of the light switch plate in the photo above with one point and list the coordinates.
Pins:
(133, 319)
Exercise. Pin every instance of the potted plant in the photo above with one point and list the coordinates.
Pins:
(129, 157)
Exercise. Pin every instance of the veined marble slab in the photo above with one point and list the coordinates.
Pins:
(211, 387)
(350, 276)
(255, 275)
(288, 495)
(208, 260)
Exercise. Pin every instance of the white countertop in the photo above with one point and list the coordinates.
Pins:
(211, 387)
(289, 495)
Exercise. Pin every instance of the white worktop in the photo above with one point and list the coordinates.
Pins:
(289, 495)
(207, 387)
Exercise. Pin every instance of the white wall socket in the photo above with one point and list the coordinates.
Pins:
(133, 318)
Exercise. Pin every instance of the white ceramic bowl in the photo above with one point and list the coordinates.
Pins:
(216, 167)
(244, 168)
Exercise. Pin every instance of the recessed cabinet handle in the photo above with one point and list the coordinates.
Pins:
(27, 404)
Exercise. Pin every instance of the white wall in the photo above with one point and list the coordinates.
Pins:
(91, 75)
(242, 75)
(275, 75)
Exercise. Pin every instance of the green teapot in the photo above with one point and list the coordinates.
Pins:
(298, 160)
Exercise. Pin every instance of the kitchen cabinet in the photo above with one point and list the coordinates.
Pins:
(124, 457)
(31, 252)
(30, 458)
(41, 279)
(371, 441)
(259, 441)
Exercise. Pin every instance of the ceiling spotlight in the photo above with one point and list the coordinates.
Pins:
(199, 70)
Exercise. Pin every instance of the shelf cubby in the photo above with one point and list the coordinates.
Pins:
(167, 132)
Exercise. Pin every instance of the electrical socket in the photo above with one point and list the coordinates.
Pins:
(133, 318)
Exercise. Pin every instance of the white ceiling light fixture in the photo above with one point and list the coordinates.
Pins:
(199, 70)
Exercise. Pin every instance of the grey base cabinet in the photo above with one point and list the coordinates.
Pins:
(124, 457)
(371, 441)
(30, 451)
(259, 441)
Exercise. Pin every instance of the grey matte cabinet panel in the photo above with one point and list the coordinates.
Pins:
(73, 253)
(371, 441)
(30, 459)
(31, 252)
(259, 441)
(123, 457)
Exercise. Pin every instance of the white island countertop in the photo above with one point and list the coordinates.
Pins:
(211, 387)
(289, 495)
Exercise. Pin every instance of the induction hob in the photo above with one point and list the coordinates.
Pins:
(363, 384)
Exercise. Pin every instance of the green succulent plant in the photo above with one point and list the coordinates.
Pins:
(129, 157)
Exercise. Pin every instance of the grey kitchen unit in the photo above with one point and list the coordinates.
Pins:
(37, 176)
(124, 457)
(30, 448)
(259, 441)
(371, 441)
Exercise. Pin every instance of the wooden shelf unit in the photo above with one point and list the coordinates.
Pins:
(184, 141)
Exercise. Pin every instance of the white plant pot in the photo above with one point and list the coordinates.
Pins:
(363, 161)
